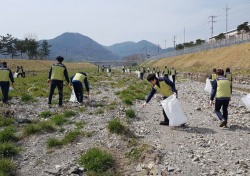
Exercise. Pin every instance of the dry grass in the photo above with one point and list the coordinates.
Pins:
(236, 57)
(42, 65)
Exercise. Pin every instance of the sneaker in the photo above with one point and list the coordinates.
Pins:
(164, 123)
(223, 123)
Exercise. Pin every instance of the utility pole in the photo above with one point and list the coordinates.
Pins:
(227, 19)
(212, 28)
(174, 40)
(165, 43)
(184, 34)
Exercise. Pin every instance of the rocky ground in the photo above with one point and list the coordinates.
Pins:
(200, 148)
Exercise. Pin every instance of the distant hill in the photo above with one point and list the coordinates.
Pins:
(77, 47)
(130, 48)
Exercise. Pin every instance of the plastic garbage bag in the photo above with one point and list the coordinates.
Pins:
(173, 110)
(170, 77)
(246, 101)
(15, 75)
(138, 73)
(73, 96)
(208, 86)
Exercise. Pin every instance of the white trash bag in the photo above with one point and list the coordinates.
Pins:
(208, 86)
(246, 101)
(73, 96)
(170, 77)
(15, 75)
(138, 73)
(173, 110)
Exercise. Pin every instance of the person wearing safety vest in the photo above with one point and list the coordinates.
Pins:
(5, 78)
(57, 73)
(221, 91)
(173, 73)
(213, 76)
(77, 80)
(166, 71)
(229, 76)
(165, 87)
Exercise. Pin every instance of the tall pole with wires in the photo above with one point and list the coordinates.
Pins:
(212, 27)
(227, 19)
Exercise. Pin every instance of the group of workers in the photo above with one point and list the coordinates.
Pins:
(221, 86)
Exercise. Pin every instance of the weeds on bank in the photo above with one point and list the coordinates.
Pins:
(8, 135)
(7, 167)
(45, 114)
(136, 152)
(6, 121)
(130, 113)
(8, 149)
(27, 98)
(115, 126)
(96, 161)
(40, 127)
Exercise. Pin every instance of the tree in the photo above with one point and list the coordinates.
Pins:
(220, 37)
(179, 47)
(243, 28)
(7, 45)
(21, 47)
(32, 48)
(44, 51)
(199, 42)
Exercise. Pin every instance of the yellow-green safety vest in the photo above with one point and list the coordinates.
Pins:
(229, 76)
(57, 72)
(166, 71)
(79, 77)
(223, 88)
(164, 89)
(214, 76)
(173, 72)
(4, 74)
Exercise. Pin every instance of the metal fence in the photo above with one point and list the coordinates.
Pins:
(203, 47)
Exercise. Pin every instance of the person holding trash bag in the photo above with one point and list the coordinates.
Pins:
(57, 73)
(5, 78)
(221, 91)
(77, 80)
(165, 87)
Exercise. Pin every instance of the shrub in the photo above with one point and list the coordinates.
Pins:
(45, 126)
(127, 101)
(59, 119)
(27, 98)
(69, 113)
(7, 135)
(70, 136)
(115, 126)
(96, 160)
(8, 149)
(45, 114)
(130, 113)
(7, 167)
(52, 142)
(6, 121)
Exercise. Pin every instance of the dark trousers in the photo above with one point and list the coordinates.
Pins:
(53, 85)
(77, 85)
(173, 77)
(224, 104)
(164, 114)
(141, 76)
(5, 90)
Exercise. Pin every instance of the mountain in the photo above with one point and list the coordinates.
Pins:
(130, 48)
(75, 46)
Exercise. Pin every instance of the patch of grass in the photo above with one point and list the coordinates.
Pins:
(115, 126)
(71, 136)
(7, 135)
(127, 101)
(45, 126)
(6, 121)
(59, 119)
(130, 113)
(136, 152)
(8, 149)
(99, 111)
(96, 160)
(82, 109)
(53, 142)
(7, 167)
(80, 125)
(69, 113)
(27, 98)
(45, 114)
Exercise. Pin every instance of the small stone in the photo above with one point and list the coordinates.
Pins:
(196, 159)
(170, 169)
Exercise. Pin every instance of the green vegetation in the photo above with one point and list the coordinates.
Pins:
(8, 135)
(8, 149)
(40, 127)
(27, 98)
(99, 111)
(96, 160)
(59, 119)
(6, 121)
(53, 142)
(7, 167)
(136, 152)
(69, 113)
(115, 126)
(130, 113)
(45, 114)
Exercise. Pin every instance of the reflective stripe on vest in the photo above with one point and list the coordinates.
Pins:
(164, 89)
(223, 88)
(79, 77)
(214, 76)
(57, 72)
(229, 76)
(4, 74)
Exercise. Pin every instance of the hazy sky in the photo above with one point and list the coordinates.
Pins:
(115, 21)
